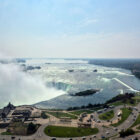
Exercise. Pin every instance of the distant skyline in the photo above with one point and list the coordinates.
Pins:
(70, 28)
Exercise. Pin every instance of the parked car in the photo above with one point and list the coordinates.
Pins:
(107, 133)
(94, 136)
(102, 137)
(84, 138)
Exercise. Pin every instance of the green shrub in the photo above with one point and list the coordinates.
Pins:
(43, 115)
(31, 128)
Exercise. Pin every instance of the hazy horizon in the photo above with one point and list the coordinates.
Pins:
(70, 29)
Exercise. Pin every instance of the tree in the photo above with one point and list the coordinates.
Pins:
(127, 132)
(31, 128)
(43, 115)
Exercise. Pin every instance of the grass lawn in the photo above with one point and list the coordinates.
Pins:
(59, 131)
(62, 114)
(78, 112)
(107, 116)
(6, 133)
(137, 121)
(132, 102)
(117, 103)
(137, 99)
(125, 114)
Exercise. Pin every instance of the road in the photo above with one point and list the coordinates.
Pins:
(40, 135)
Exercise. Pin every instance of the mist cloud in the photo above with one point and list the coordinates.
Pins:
(20, 88)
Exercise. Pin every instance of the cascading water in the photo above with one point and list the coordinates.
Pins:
(59, 85)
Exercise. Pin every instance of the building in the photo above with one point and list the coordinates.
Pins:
(6, 110)
(1, 113)
(22, 114)
(65, 120)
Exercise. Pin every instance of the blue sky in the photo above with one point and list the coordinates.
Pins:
(70, 28)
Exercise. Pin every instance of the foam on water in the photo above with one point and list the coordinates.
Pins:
(54, 79)
(83, 77)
